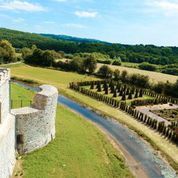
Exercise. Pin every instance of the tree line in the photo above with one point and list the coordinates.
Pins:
(127, 53)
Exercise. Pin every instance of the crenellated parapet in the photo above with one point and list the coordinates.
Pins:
(4, 75)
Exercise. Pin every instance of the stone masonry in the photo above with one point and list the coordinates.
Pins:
(26, 129)
(35, 126)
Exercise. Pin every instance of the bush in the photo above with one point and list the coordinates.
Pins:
(41, 58)
(139, 80)
(116, 74)
(172, 71)
(104, 61)
(147, 66)
(116, 63)
(105, 72)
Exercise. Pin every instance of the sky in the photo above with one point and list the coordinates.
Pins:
(119, 21)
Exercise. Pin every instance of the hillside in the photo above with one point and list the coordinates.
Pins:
(127, 53)
(73, 39)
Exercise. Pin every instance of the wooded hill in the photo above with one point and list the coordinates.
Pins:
(72, 38)
(127, 53)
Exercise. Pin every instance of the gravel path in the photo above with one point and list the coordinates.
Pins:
(148, 111)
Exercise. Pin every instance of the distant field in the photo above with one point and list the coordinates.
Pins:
(154, 76)
(79, 150)
(61, 79)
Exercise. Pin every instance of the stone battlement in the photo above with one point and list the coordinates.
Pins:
(4, 75)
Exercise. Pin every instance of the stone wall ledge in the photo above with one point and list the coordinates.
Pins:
(24, 111)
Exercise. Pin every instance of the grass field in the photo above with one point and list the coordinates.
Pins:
(154, 76)
(20, 94)
(42, 75)
(56, 78)
(79, 150)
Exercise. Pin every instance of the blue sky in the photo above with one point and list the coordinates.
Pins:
(122, 21)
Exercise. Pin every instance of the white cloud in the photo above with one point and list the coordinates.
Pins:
(21, 6)
(86, 14)
(168, 6)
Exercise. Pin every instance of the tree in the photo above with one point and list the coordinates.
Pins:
(7, 52)
(105, 72)
(26, 52)
(41, 58)
(99, 87)
(136, 93)
(130, 96)
(116, 74)
(92, 86)
(106, 90)
(76, 64)
(115, 93)
(123, 96)
(124, 75)
(89, 64)
(141, 93)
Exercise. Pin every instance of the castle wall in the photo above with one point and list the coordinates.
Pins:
(7, 128)
(35, 126)
(7, 147)
(4, 94)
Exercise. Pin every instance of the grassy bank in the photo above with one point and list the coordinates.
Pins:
(56, 78)
(79, 150)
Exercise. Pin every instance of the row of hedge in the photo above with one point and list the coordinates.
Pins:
(159, 98)
(167, 131)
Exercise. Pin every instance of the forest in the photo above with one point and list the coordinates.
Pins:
(127, 53)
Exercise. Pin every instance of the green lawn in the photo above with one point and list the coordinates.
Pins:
(79, 149)
(20, 96)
